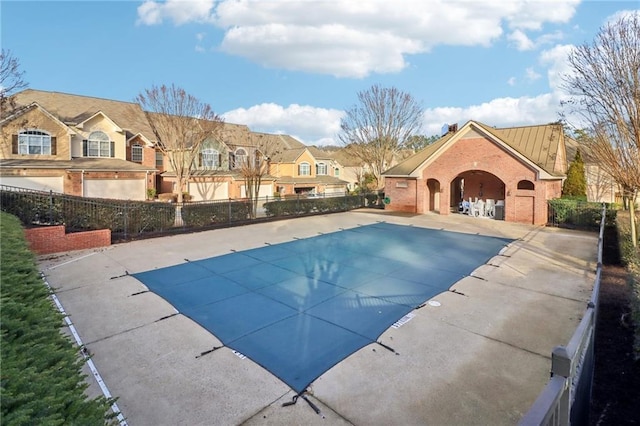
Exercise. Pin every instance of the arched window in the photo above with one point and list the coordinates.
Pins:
(210, 158)
(304, 169)
(525, 184)
(321, 169)
(98, 145)
(136, 153)
(241, 157)
(34, 142)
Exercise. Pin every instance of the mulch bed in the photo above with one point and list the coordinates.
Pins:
(616, 386)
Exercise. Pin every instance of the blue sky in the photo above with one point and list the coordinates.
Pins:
(294, 66)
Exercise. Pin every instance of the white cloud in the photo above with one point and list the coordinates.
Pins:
(349, 38)
(532, 75)
(199, 39)
(621, 14)
(531, 15)
(512, 81)
(521, 40)
(311, 125)
(508, 111)
(501, 112)
(556, 61)
(179, 11)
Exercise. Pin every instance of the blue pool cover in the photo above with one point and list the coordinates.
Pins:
(300, 307)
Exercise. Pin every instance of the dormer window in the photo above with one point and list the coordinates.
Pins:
(241, 157)
(98, 145)
(34, 142)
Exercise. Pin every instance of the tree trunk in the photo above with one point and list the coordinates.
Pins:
(632, 218)
(178, 222)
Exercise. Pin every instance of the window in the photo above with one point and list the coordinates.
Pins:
(304, 169)
(241, 157)
(159, 159)
(210, 158)
(336, 172)
(34, 142)
(321, 169)
(136, 153)
(98, 145)
(525, 184)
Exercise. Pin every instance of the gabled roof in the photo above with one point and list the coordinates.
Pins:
(75, 109)
(541, 144)
(102, 114)
(538, 146)
(21, 110)
(346, 159)
(288, 155)
(319, 154)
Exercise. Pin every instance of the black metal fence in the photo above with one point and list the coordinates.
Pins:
(578, 214)
(140, 219)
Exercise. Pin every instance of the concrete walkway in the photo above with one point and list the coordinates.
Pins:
(481, 357)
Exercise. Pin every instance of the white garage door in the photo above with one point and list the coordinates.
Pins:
(207, 191)
(38, 183)
(265, 191)
(120, 189)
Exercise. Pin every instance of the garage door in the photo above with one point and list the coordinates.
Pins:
(265, 191)
(121, 189)
(51, 183)
(206, 191)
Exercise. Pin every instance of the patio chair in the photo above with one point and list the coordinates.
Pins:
(490, 208)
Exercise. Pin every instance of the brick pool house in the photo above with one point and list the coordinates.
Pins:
(520, 168)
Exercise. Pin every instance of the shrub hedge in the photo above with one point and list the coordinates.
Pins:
(578, 214)
(205, 214)
(42, 381)
(300, 206)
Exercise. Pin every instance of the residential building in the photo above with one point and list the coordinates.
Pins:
(77, 145)
(518, 168)
(104, 148)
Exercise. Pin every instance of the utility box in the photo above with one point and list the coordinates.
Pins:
(499, 213)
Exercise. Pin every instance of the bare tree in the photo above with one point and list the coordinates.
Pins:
(605, 89)
(181, 124)
(11, 81)
(255, 166)
(379, 126)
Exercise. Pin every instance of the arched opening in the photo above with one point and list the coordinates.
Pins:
(433, 196)
(476, 185)
(526, 184)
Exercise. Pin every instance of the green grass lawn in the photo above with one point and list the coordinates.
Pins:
(40, 368)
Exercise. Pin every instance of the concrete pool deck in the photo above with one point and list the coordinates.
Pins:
(481, 357)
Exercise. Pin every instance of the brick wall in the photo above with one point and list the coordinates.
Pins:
(54, 239)
(468, 154)
(401, 193)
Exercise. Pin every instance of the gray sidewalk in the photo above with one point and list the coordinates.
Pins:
(481, 357)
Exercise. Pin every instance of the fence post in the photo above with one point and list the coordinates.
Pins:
(126, 219)
(50, 207)
(561, 366)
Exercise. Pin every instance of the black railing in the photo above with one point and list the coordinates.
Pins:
(567, 213)
(140, 219)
